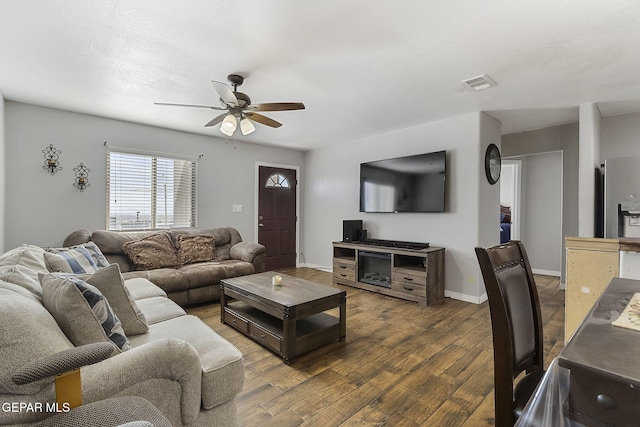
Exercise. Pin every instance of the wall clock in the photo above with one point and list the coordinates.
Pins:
(492, 163)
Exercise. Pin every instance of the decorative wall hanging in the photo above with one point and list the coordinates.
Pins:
(51, 159)
(82, 177)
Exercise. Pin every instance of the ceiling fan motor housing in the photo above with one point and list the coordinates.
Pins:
(243, 99)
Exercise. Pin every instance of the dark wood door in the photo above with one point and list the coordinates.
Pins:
(277, 215)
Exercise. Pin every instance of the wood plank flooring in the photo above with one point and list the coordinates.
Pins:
(402, 364)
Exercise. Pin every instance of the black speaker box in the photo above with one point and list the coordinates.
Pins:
(351, 230)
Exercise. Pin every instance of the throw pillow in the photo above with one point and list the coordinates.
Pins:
(82, 312)
(110, 283)
(194, 248)
(94, 251)
(151, 252)
(22, 265)
(77, 260)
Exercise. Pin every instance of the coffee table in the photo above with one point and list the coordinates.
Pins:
(290, 319)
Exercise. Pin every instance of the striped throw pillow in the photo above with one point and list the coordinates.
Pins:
(77, 260)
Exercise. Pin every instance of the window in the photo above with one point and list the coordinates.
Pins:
(276, 180)
(146, 191)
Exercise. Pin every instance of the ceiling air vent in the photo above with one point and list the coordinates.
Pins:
(478, 83)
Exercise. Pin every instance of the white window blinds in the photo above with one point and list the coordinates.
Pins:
(146, 191)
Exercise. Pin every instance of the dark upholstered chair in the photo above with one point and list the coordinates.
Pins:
(517, 327)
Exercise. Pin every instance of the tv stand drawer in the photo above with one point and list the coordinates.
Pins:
(409, 279)
(410, 289)
(344, 270)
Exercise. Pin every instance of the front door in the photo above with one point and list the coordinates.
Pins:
(277, 215)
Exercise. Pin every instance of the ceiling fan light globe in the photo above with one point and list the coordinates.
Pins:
(229, 125)
(227, 131)
(246, 126)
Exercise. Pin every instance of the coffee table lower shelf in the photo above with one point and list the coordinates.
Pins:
(311, 332)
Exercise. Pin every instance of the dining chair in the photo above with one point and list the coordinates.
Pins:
(517, 327)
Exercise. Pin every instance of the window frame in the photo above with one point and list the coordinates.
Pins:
(154, 220)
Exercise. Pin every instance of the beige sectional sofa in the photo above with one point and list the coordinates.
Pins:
(174, 360)
(184, 283)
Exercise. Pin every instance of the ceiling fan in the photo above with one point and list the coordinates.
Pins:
(240, 109)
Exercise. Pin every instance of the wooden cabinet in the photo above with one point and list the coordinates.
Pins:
(591, 264)
(412, 274)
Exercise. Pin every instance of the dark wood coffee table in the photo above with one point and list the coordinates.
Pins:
(288, 319)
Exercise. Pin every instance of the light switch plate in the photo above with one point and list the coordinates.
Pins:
(237, 208)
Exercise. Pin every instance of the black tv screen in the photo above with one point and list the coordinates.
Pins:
(404, 184)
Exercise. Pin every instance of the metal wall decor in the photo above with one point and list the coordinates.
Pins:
(82, 177)
(51, 159)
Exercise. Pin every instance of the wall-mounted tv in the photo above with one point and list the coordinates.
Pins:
(404, 184)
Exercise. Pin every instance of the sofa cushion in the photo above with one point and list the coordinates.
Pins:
(110, 283)
(222, 364)
(24, 277)
(151, 252)
(110, 242)
(94, 252)
(77, 261)
(141, 288)
(206, 273)
(21, 290)
(192, 248)
(82, 312)
(22, 265)
(159, 309)
(224, 238)
(168, 279)
(29, 332)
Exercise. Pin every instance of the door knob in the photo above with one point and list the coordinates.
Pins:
(260, 225)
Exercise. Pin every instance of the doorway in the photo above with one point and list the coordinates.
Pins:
(510, 195)
(536, 185)
(277, 218)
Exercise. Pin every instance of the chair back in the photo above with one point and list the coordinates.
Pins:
(515, 319)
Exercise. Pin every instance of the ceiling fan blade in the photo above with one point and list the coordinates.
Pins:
(189, 105)
(263, 119)
(216, 120)
(225, 93)
(276, 106)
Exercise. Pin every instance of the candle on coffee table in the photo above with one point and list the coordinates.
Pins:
(276, 280)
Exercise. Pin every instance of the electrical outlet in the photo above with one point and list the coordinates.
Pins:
(237, 208)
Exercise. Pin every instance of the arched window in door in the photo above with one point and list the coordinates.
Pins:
(276, 180)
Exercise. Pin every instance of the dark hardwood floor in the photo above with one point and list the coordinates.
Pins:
(402, 364)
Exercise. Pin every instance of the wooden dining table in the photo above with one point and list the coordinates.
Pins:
(595, 380)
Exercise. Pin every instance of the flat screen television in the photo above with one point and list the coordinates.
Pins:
(404, 184)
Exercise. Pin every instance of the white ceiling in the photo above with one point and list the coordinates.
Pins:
(361, 67)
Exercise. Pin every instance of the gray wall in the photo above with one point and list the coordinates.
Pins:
(541, 203)
(620, 136)
(42, 209)
(563, 138)
(331, 196)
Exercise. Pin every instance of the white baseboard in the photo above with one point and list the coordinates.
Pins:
(317, 267)
(545, 272)
(466, 298)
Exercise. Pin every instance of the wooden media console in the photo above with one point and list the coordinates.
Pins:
(391, 268)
